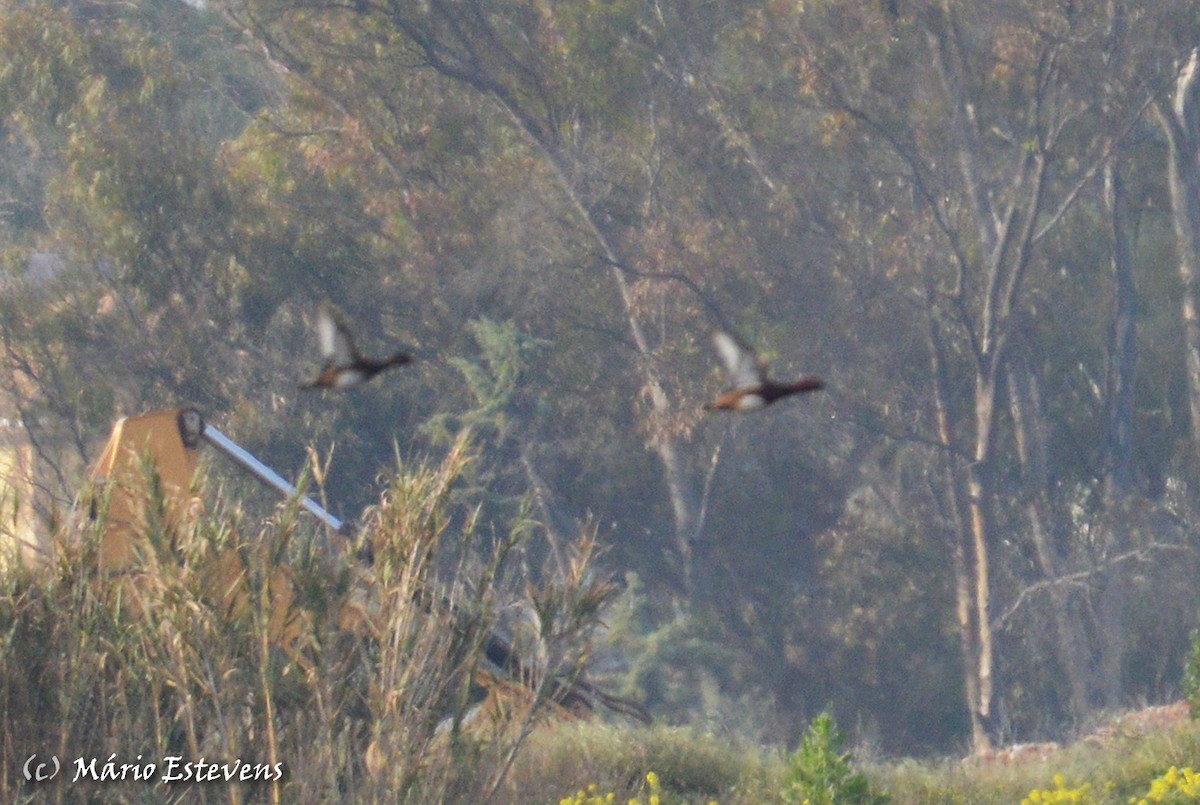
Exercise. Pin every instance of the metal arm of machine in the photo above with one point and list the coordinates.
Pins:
(267, 475)
(570, 692)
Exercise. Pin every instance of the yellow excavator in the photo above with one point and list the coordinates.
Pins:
(147, 469)
(165, 444)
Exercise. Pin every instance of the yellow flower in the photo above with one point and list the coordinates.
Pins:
(1060, 794)
(1170, 784)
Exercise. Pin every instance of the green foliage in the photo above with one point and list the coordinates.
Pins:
(672, 659)
(819, 773)
(1117, 769)
(691, 766)
(462, 177)
(493, 381)
(1191, 676)
(114, 292)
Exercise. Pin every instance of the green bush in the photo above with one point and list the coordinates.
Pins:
(819, 773)
(1191, 676)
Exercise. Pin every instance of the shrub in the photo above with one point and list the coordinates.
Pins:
(362, 683)
(1191, 676)
(1174, 787)
(819, 773)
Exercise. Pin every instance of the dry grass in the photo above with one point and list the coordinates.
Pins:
(1117, 768)
(693, 766)
(365, 687)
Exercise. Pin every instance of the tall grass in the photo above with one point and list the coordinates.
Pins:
(245, 644)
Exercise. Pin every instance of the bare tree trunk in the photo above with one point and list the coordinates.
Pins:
(977, 526)
(1122, 360)
(1025, 407)
(1122, 350)
(681, 488)
(1181, 122)
(956, 496)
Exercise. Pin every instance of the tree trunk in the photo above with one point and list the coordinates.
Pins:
(681, 488)
(1122, 360)
(1181, 122)
(1006, 233)
(1122, 349)
(956, 496)
(978, 492)
(1025, 407)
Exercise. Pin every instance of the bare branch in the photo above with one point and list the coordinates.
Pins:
(1080, 578)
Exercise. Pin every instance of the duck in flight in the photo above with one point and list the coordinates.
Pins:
(344, 367)
(752, 389)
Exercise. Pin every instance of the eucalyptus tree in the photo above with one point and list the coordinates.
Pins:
(987, 127)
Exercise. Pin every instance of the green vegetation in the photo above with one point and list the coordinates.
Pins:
(600, 760)
(1175, 787)
(1191, 676)
(1112, 770)
(820, 773)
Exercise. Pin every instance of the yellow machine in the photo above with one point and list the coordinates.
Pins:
(145, 472)
(162, 447)
(159, 445)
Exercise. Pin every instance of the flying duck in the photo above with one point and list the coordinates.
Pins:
(752, 389)
(344, 367)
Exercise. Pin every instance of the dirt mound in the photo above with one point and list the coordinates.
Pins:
(1137, 723)
(1133, 724)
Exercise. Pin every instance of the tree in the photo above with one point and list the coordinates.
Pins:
(547, 73)
(986, 133)
(1181, 123)
(130, 296)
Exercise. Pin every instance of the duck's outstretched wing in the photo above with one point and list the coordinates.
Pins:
(337, 347)
(740, 361)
